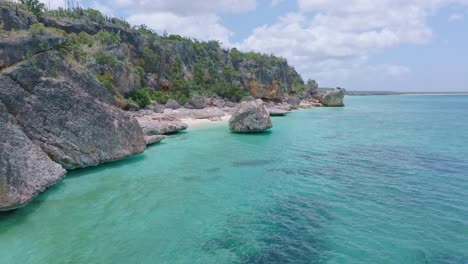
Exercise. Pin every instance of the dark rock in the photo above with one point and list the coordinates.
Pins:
(25, 170)
(172, 104)
(230, 104)
(334, 97)
(276, 111)
(198, 101)
(131, 107)
(15, 17)
(16, 49)
(188, 106)
(219, 102)
(294, 102)
(250, 117)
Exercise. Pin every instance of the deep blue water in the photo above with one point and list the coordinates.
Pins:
(383, 180)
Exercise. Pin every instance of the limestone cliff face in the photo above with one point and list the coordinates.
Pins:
(55, 115)
(25, 170)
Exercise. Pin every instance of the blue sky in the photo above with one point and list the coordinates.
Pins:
(400, 45)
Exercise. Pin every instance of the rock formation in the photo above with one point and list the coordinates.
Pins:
(250, 117)
(334, 97)
(25, 170)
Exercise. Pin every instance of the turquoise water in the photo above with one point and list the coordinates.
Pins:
(384, 180)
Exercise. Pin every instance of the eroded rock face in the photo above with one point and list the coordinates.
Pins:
(70, 115)
(250, 117)
(334, 97)
(25, 170)
(14, 17)
(16, 49)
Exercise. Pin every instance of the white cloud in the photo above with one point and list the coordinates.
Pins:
(187, 8)
(456, 17)
(276, 2)
(204, 27)
(331, 41)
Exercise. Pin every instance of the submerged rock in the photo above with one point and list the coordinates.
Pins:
(25, 170)
(150, 140)
(250, 117)
(276, 111)
(334, 97)
(159, 124)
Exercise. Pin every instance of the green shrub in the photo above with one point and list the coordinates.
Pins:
(152, 60)
(141, 73)
(141, 97)
(106, 59)
(34, 6)
(108, 81)
(108, 38)
(37, 29)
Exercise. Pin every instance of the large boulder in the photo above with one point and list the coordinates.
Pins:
(25, 170)
(69, 115)
(250, 117)
(172, 104)
(334, 97)
(198, 101)
(294, 102)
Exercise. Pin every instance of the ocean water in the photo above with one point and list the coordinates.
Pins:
(383, 180)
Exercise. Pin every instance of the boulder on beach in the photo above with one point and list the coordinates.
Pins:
(334, 97)
(294, 102)
(250, 117)
(198, 101)
(172, 104)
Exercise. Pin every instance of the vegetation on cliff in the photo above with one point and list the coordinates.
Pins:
(137, 64)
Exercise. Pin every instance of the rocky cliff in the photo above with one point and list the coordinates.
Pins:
(66, 75)
(126, 58)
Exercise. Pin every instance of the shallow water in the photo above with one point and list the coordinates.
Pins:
(384, 180)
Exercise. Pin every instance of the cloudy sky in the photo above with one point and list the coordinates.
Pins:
(403, 45)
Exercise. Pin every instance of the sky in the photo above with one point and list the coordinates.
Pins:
(387, 45)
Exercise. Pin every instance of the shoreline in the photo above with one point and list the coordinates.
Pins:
(194, 122)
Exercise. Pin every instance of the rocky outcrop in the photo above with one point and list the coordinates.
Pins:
(159, 124)
(198, 101)
(23, 45)
(274, 111)
(294, 102)
(150, 140)
(334, 97)
(172, 104)
(15, 17)
(250, 117)
(25, 170)
(69, 115)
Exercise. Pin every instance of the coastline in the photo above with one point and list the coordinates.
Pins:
(193, 122)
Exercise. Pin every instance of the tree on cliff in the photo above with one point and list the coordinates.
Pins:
(34, 6)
